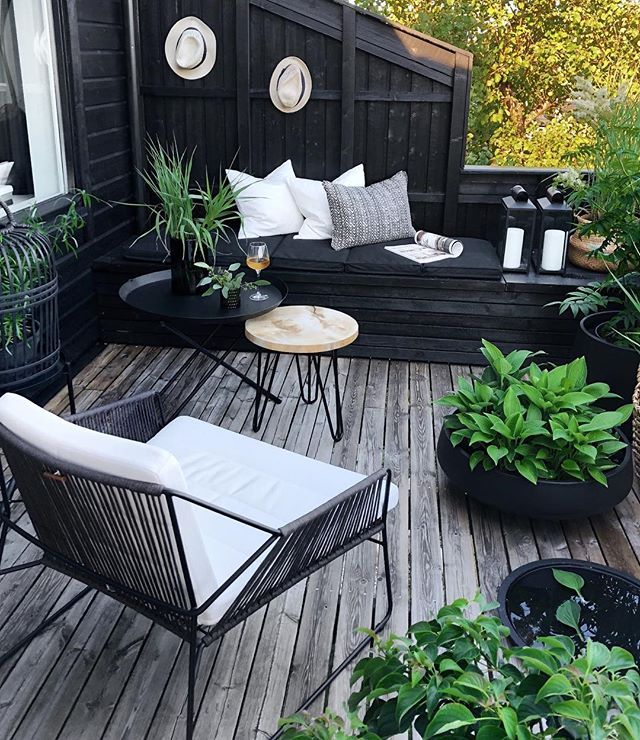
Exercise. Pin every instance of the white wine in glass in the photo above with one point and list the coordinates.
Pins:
(258, 259)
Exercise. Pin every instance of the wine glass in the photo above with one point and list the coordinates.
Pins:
(258, 259)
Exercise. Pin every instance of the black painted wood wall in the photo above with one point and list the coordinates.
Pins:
(91, 43)
(382, 95)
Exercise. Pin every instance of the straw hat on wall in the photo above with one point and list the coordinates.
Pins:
(291, 85)
(191, 48)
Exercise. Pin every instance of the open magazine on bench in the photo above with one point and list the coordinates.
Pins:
(429, 247)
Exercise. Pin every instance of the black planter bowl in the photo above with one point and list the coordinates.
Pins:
(514, 494)
(529, 597)
(607, 363)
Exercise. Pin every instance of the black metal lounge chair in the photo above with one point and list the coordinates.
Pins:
(187, 523)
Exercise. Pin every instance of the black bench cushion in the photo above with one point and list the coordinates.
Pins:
(479, 260)
(308, 255)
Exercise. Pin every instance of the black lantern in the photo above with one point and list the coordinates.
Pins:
(518, 231)
(556, 221)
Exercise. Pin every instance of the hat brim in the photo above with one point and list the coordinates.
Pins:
(273, 85)
(171, 43)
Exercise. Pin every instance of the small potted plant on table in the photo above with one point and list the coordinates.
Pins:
(228, 281)
(533, 441)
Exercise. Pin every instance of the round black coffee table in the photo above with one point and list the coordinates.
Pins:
(152, 294)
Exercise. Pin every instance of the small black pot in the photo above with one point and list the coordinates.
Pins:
(607, 363)
(232, 300)
(184, 276)
(547, 500)
(528, 599)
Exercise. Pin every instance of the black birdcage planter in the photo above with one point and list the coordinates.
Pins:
(29, 334)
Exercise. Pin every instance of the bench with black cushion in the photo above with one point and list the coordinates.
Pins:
(437, 312)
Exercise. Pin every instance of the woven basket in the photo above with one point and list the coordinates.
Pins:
(581, 248)
(636, 426)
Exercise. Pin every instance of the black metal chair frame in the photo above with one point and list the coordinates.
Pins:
(121, 537)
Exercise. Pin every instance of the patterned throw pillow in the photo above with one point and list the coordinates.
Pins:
(370, 215)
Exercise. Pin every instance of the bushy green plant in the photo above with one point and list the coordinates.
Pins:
(184, 211)
(620, 294)
(453, 677)
(540, 422)
(225, 279)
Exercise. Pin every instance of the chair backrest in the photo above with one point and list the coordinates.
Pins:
(98, 504)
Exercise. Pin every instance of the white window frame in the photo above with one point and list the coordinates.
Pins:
(41, 91)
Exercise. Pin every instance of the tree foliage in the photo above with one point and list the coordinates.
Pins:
(527, 56)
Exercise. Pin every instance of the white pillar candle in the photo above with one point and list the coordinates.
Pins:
(513, 248)
(553, 250)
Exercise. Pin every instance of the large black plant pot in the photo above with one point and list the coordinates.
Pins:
(607, 363)
(610, 613)
(547, 500)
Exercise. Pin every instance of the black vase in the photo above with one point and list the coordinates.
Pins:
(184, 275)
(232, 300)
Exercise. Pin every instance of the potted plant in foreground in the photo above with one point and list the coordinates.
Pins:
(453, 677)
(228, 281)
(533, 440)
(189, 219)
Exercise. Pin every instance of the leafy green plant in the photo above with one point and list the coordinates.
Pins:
(540, 422)
(183, 211)
(609, 197)
(452, 676)
(225, 279)
(620, 294)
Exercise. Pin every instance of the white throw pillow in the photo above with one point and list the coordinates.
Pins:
(311, 200)
(266, 205)
(5, 171)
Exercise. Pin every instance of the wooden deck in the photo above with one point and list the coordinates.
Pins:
(105, 672)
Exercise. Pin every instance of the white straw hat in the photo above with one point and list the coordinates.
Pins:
(291, 84)
(191, 48)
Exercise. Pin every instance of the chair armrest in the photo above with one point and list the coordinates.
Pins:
(139, 417)
(308, 543)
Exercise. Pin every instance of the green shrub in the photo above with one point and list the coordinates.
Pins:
(453, 677)
(540, 422)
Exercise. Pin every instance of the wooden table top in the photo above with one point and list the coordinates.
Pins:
(302, 330)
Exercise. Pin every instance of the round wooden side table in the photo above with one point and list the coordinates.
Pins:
(310, 331)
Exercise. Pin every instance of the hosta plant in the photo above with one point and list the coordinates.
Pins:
(453, 677)
(542, 422)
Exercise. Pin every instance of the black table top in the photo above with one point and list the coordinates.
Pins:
(152, 294)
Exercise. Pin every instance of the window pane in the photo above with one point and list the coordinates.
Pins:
(29, 113)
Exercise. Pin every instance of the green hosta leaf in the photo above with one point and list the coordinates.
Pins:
(604, 420)
(476, 458)
(447, 718)
(576, 398)
(573, 581)
(572, 468)
(598, 476)
(481, 437)
(572, 709)
(557, 685)
(528, 470)
(496, 453)
(568, 613)
(596, 390)
(510, 403)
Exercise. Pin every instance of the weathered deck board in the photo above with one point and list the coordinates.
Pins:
(105, 672)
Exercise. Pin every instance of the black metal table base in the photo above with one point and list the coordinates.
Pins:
(312, 386)
(219, 360)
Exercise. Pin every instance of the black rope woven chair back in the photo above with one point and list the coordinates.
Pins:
(118, 536)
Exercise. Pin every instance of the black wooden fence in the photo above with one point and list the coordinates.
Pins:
(382, 95)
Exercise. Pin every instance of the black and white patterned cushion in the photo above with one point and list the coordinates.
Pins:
(370, 215)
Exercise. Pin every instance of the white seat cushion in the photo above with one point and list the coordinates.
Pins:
(266, 205)
(113, 456)
(248, 477)
(311, 200)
